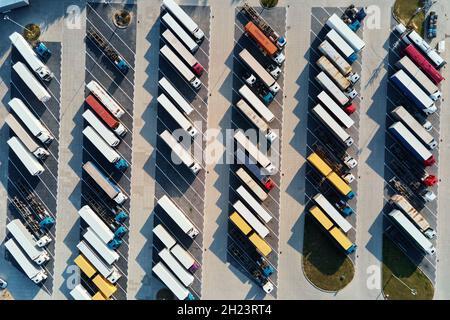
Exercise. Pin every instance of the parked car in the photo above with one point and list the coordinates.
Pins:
(432, 25)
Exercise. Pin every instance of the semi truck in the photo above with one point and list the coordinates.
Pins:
(336, 23)
(250, 218)
(335, 57)
(332, 213)
(251, 184)
(26, 157)
(403, 205)
(100, 93)
(111, 273)
(108, 152)
(256, 103)
(332, 89)
(415, 73)
(164, 236)
(344, 83)
(254, 204)
(31, 82)
(413, 37)
(176, 114)
(401, 114)
(348, 52)
(175, 95)
(410, 142)
(259, 173)
(30, 56)
(264, 43)
(172, 282)
(411, 230)
(29, 244)
(110, 188)
(259, 70)
(25, 138)
(412, 91)
(254, 152)
(331, 124)
(101, 129)
(337, 111)
(182, 274)
(170, 22)
(35, 126)
(180, 152)
(178, 216)
(184, 19)
(256, 120)
(108, 254)
(34, 273)
(423, 64)
(182, 69)
(184, 53)
(111, 121)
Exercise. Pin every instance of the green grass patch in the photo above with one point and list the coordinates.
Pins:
(269, 3)
(324, 264)
(404, 11)
(412, 279)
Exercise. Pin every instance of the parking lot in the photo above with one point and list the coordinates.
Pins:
(184, 188)
(120, 86)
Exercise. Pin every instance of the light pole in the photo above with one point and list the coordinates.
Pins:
(16, 23)
(413, 291)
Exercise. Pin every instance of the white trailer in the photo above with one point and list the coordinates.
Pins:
(30, 56)
(97, 224)
(344, 83)
(109, 272)
(176, 114)
(182, 69)
(409, 228)
(251, 184)
(179, 31)
(415, 73)
(253, 150)
(101, 129)
(333, 89)
(342, 45)
(25, 138)
(172, 282)
(336, 23)
(256, 120)
(100, 93)
(185, 20)
(401, 114)
(110, 188)
(335, 110)
(254, 204)
(29, 161)
(80, 293)
(185, 277)
(173, 93)
(110, 154)
(28, 242)
(108, 254)
(178, 216)
(330, 52)
(331, 124)
(256, 103)
(254, 222)
(259, 70)
(164, 236)
(32, 83)
(35, 126)
(180, 152)
(34, 273)
(414, 37)
(331, 211)
(185, 258)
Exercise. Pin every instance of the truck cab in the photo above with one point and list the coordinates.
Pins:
(279, 58)
(121, 64)
(121, 164)
(274, 70)
(42, 50)
(345, 209)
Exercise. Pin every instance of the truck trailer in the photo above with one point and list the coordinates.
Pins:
(342, 45)
(331, 53)
(264, 43)
(182, 69)
(336, 23)
(178, 216)
(100, 93)
(413, 37)
(332, 89)
(108, 254)
(331, 124)
(175, 95)
(254, 204)
(176, 114)
(171, 23)
(185, 20)
(101, 129)
(180, 152)
(256, 120)
(423, 64)
(344, 83)
(250, 218)
(334, 109)
(172, 282)
(32, 83)
(26, 157)
(182, 274)
(253, 150)
(256, 103)
(251, 184)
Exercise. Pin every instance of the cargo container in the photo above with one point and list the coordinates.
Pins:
(254, 204)
(30, 56)
(251, 184)
(328, 51)
(403, 205)
(335, 110)
(331, 124)
(109, 272)
(100, 93)
(172, 282)
(97, 225)
(180, 152)
(411, 230)
(34, 273)
(111, 189)
(401, 114)
(411, 90)
(164, 236)
(256, 103)
(415, 73)
(109, 255)
(332, 213)
(182, 69)
(25, 138)
(101, 129)
(332, 89)
(185, 20)
(184, 53)
(257, 225)
(414, 38)
(264, 43)
(108, 152)
(336, 23)
(410, 142)
(185, 258)
(253, 150)
(179, 31)
(80, 293)
(176, 114)
(257, 121)
(178, 216)
(112, 122)
(182, 274)
(26, 157)
(173, 93)
(259, 173)
(107, 289)
(344, 83)
(31, 82)
(342, 45)
(423, 64)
